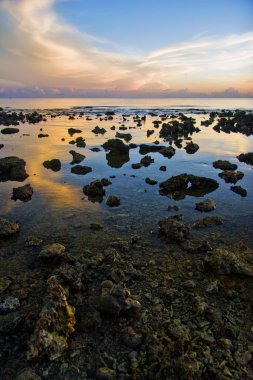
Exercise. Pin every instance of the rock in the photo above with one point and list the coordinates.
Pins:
(77, 157)
(145, 149)
(28, 374)
(208, 221)
(53, 164)
(98, 130)
(12, 169)
(1, 146)
(105, 182)
(24, 193)
(116, 146)
(113, 201)
(115, 301)
(79, 169)
(4, 284)
(52, 251)
(54, 326)
(80, 142)
(150, 181)
(131, 338)
(167, 151)
(223, 261)
(95, 149)
(33, 241)
(163, 168)
(94, 191)
(246, 157)
(9, 304)
(191, 148)
(125, 136)
(224, 165)
(96, 226)
(72, 131)
(41, 135)
(136, 166)
(173, 230)
(174, 183)
(117, 160)
(105, 373)
(9, 131)
(239, 190)
(197, 246)
(231, 176)
(206, 205)
(8, 228)
(147, 160)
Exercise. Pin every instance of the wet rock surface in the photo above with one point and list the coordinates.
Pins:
(8, 228)
(173, 230)
(224, 165)
(231, 176)
(77, 157)
(206, 205)
(82, 170)
(54, 164)
(239, 190)
(246, 157)
(113, 201)
(12, 169)
(24, 193)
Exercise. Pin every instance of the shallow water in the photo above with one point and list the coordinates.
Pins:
(59, 207)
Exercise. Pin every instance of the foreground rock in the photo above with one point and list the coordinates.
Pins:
(8, 228)
(246, 157)
(12, 169)
(54, 164)
(206, 205)
(55, 324)
(223, 261)
(52, 251)
(113, 201)
(224, 165)
(173, 230)
(24, 193)
(231, 176)
(79, 169)
(115, 301)
(77, 157)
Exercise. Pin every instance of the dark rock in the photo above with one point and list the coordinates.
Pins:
(12, 169)
(167, 151)
(9, 131)
(231, 176)
(80, 142)
(10, 323)
(133, 146)
(24, 193)
(208, 221)
(163, 168)
(105, 182)
(9, 304)
(147, 160)
(97, 130)
(113, 201)
(131, 338)
(197, 246)
(150, 132)
(52, 251)
(116, 147)
(224, 165)
(191, 148)
(28, 374)
(79, 169)
(41, 135)
(117, 160)
(136, 166)
(77, 157)
(72, 131)
(173, 230)
(94, 191)
(53, 164)
(150, 181)
(206, 205)
(95, 149)
(125, 136)
(1, 146)
(246, 157)
(96, 226)
(105, 373)
(8, 228)
(239, 190)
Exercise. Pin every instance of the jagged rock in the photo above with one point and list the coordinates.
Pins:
(115, 301)
(54, 326)
(231, 176)
(239, 190)
(116, 146)
(77, 157)
(8, 228)
(53, 164)
(173, 208)
(12, 169)
(223, 261)
(150, 181)
(208, 221)
(131, 338)
(224, 165)
(173, 230)
(206, 205)
(72, 131)
(125, 136)
(4, 284)
(113, 201)
(52, 251)
(24, 193)
(94, 191)
(147, 160)
(9, 131)
(246, 157)
(197, 246)
(98, 130)
(79, 169)
(10, 323)
(167, 151)
(163, 168)
(191, 148)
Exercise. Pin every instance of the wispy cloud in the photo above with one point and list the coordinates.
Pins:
(41, 50)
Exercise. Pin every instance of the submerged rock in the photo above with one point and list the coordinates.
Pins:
(246, 157)
(223, 261)
(12, 169)
(239, 190)
(77, 157)
(79, 169)
(113, 201)
(52, 251)
(206, 205)
(8, 228)
(147, 160)
(173, 230)
(231, 176)
(33, 241)
(224, 165)
(208, 221)
(24, 193)
(54, 326)
(53, 164)
(150, 181)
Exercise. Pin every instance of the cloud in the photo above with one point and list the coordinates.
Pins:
(43, 54)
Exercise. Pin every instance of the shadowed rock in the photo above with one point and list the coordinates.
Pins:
(12, 169)
(94, 191)
(24, 193)
(116, 146)
(231, 176)
(224, 165)
(77, 157)
(173, 230)
(246, 157)
(9, 131)
(82, 170)
(8, 228)
(53, 164)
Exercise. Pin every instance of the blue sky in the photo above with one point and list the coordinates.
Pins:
(133, 47)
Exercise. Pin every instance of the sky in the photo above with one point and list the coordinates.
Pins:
(126, 48)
